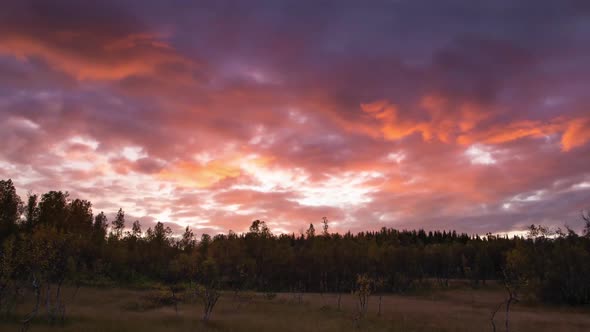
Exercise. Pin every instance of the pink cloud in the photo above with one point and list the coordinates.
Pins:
(214, 124)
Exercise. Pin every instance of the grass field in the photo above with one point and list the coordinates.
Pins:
(464, 309)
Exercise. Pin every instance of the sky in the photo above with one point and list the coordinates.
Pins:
(466, 115)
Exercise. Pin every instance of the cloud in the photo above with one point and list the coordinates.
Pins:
(576, 134)
(462, 126)
(394, 114)
(98, 42)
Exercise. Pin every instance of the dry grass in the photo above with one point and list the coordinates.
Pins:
(105, 310)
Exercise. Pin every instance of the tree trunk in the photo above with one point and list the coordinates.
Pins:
(57, 305)
(47, 300)
(207, 312)
(1, 299)
(508, 313)
(380, 298)
(494, 316)
(174, 300)
(33, 313)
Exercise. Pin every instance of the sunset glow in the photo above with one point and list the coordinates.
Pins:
(211, 116)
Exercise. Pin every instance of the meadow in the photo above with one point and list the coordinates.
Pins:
(454, 309)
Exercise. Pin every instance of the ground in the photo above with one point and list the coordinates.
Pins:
(463, 309)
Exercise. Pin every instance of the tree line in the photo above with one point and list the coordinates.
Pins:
(50, 240)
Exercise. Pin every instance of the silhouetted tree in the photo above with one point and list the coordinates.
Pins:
(99, 228)
(79, 217)
(310, 233)
(31, 211)
(118, 225)
(136, 229)
(586, 218)
(53, 209)
(10, 208)
(325, 232)
(187, 242)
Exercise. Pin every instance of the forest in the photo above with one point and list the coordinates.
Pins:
(51, 240)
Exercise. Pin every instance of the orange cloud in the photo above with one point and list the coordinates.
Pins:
(444, 122)
(392, 126)
(85, 56)
(574, 132)
(503, 133)
(462, 125)
(197, 175)
(207, 173)
(577, 133)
